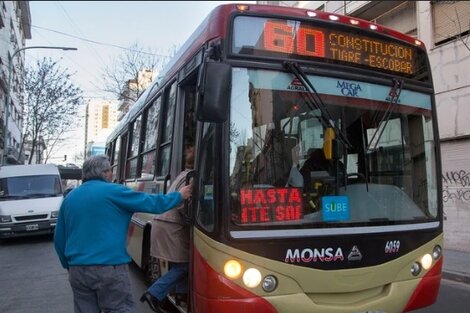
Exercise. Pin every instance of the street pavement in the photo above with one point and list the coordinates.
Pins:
(456, 266)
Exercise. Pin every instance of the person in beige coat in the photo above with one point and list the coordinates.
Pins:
(170, 242)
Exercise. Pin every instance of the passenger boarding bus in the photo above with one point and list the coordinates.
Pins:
(316, 181)
(30, 198)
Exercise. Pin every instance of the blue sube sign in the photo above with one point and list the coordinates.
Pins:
(335, 208)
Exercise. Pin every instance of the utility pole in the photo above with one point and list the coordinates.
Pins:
(86, 130)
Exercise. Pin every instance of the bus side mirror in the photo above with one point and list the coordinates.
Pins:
(214, 87)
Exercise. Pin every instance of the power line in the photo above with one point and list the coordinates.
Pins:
(72, 60)
(98, 90)
(99, 43)
(74, 25)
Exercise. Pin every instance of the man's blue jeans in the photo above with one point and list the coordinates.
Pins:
(176, 277)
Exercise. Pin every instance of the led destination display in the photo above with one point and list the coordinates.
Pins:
(270, 205)
(305, 40)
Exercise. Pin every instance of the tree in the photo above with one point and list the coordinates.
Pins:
(50, 102)
(125, 77)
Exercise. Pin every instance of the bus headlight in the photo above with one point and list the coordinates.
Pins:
(415, 269)
(232, 269)
(251, 278)
(426, 261)
(436, 252)
(269, 283)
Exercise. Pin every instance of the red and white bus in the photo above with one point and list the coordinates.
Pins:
(316, 183)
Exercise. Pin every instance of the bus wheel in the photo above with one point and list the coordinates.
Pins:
(153, 270)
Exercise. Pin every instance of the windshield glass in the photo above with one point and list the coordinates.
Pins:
(370, 160)
(27, 187)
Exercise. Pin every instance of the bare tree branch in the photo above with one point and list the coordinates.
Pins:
(51, 102)
(123, 77)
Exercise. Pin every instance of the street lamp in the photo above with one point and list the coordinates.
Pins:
(7, 97)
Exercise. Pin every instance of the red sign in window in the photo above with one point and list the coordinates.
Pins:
(270, 205)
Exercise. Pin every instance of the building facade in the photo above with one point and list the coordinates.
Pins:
(101, 120)
(444, 27)
(15, 28)
(132, 90)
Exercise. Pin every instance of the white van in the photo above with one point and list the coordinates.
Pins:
(30, 198)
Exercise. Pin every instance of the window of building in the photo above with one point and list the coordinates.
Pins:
(105, 118)
(450, 20)
(401, 18)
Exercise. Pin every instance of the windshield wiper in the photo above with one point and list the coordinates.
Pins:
(315, 101)
(394, 94)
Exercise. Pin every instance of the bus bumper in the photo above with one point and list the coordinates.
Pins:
(215, 293)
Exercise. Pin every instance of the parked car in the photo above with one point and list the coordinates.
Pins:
(30, 198)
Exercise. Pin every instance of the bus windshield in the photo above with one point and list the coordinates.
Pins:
(282, 175)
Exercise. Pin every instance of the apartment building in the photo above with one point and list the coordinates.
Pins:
(444, 27)
(132, 90)
(15, 28)
(101, 120)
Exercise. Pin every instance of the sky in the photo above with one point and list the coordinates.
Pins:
(97, 29)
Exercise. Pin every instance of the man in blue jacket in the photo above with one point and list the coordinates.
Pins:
(90, 236)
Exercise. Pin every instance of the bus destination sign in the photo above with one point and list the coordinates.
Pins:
(270, 205)
(301, 39)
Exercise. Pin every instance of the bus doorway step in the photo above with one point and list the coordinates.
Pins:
(176, 304)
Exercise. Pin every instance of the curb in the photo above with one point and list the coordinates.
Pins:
(456, 276)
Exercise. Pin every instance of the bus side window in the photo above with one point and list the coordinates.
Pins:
(134, 145)
(115, 160)
(164, 154)
(147, 157)
(123, 156)
(205, 210)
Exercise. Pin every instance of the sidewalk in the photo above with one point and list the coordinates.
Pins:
(456, 266)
